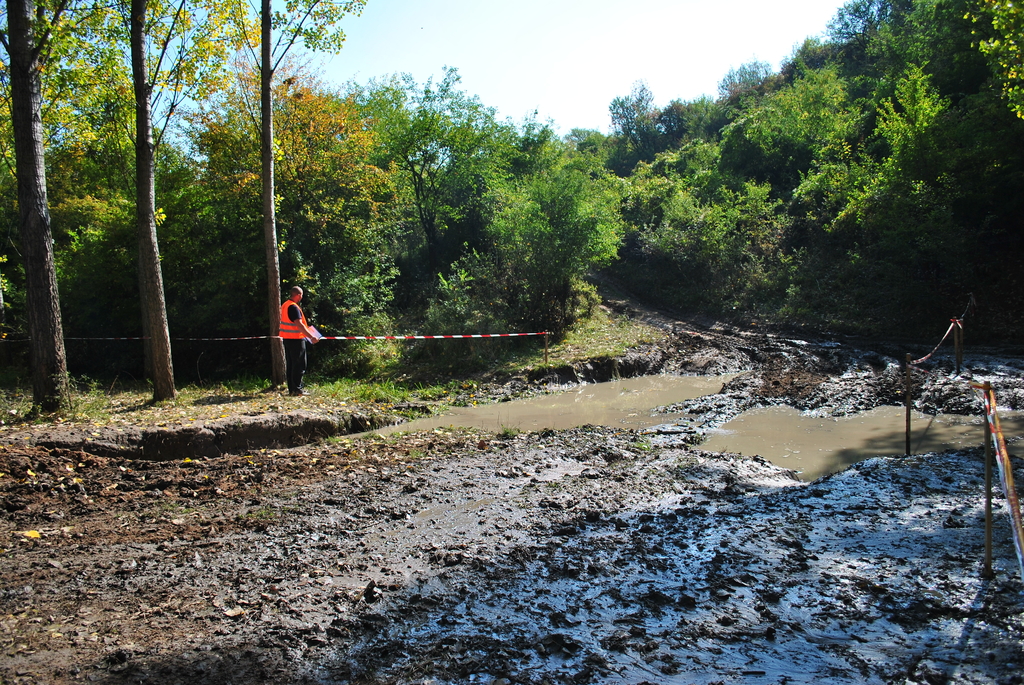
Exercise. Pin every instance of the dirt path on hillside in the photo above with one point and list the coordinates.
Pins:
(586, 555)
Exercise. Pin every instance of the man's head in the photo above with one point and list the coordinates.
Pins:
(295, 294)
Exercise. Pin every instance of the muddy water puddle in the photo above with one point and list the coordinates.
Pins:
(811, 446)
(625, 403)
(817, 446)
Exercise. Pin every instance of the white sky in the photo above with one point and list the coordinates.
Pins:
(567, 59)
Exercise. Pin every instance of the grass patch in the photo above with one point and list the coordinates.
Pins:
(437, 393)
(643, 444)
(348, 390)
(603, 335)
(261, 514)
(508, 432)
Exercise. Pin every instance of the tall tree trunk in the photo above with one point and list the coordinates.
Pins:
(3, 326)
(151, 282)
(277, 366)
(50, 389)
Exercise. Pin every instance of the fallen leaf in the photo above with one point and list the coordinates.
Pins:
(30, 533)
(233, 613)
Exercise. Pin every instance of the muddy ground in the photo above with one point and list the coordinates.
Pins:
(229, 555)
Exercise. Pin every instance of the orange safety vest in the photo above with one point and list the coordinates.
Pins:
(291, 329)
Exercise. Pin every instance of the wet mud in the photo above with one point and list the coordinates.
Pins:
(585, 555)
(203, 439)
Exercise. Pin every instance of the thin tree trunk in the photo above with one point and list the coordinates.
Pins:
(3, 326)
(50, 389)
(269, 216)
(151, 284)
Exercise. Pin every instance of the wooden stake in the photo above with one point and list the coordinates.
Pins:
(908, 405)
(958, 343)
(987, 571)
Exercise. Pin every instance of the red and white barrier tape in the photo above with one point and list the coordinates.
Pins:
(250, 337)
(956, 322)
(1005, 471)
(326, 337)
(428, 337)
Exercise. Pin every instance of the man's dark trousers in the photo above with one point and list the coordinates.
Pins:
(295, 361)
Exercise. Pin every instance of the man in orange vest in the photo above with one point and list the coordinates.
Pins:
(294, 333)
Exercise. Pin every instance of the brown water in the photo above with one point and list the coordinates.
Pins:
(811, 446)
(625, 403)
(818, 446)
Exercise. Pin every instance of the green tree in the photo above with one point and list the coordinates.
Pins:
(314, 25)
(177, 51)
(334, 205)
(700, 119)
(752, 79)
(1002, 41)
(27, 41)
(778, 139)
(635, 118)
(333, 209)
(549, 229)
(449, 147)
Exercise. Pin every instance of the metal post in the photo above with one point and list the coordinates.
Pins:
(987, 571)
(908, 405)
(958, 341)
(545, 349)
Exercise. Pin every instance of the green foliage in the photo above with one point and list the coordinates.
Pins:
(310, 23)
(635, 118)
(469, 299)
(786, 132)
(332, 211)
(549, 229)
(642, 131)
(859, 188)
(1002, 42)
(96, 265)
(747, 81)
(725, 252)
(449, 147)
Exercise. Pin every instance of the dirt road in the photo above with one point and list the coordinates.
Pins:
(579, 556)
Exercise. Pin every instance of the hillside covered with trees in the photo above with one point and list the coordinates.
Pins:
(873, 184)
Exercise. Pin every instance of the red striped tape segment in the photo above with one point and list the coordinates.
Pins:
(428, 337)
(1005, 472)
(328, 337)
(956, 322)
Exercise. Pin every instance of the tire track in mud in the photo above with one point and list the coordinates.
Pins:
(579, 556)
(746, 582)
